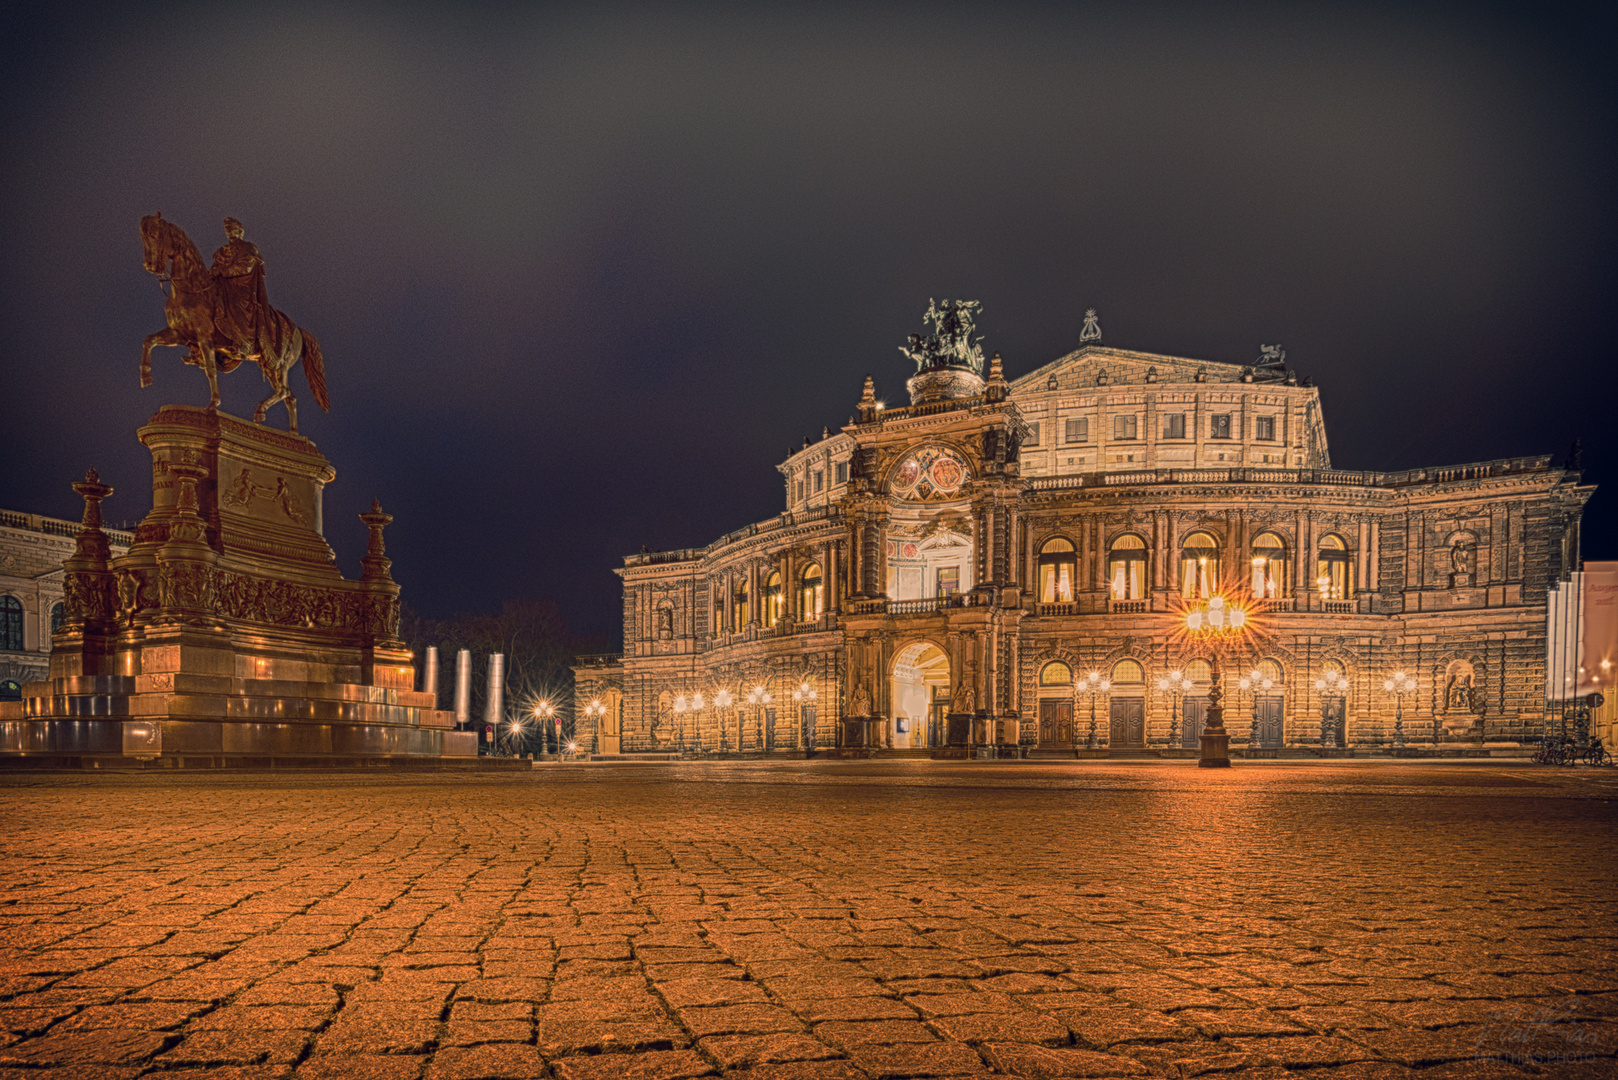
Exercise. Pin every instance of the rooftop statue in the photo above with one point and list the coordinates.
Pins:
(951, 343)
(223, 315)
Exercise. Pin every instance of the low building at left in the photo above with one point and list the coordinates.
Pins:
(32, 551)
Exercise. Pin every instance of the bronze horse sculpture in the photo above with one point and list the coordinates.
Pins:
(195, 312)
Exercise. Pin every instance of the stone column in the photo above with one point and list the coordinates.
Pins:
(1373, 569)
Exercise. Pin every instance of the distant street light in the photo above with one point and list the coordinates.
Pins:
(1400, 685)
(1254, 682)
(1218, 625)
(543, 712)
(721, 702)
(1331, 684)
(1176, 685)
(758, 697)
(1093, 686)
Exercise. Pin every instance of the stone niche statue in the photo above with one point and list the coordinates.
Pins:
(1463, 562)
(1461, 694)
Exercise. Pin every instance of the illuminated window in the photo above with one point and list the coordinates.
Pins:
(1199, 671)
(738, 606)
(1199, 566)
(1269, 566)
(1126, 567)
(1334, 569)
(1269, 669)
(771, 607)
(949, 580)
(10, 623)
(1128, 672)
(811, 595)
(1219, 426)
(56, 617)
(1058, 568)
(1055, 673)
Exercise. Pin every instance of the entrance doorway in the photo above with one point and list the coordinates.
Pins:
(920, 676)
(1192, 723)
(1268, 731)
(1128, 723)
(1056, 723)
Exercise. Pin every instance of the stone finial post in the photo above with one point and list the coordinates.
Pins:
(868, 401)
(87, 582)
(376, 563)
(185, 561)
(996, 389)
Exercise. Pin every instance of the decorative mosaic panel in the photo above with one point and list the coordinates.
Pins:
(931, 473)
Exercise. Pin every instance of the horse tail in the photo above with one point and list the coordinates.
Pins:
(314, 370)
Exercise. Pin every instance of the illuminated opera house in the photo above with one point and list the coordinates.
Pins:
(1005, 565)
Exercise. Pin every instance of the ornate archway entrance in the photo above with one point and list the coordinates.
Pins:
(920, 697)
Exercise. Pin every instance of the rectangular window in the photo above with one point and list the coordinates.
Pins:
(800, 490)
(1219, 426)
(1033, 435)
(1174, 426)
(842, 472)
(1078, 429)
(1264, 428)
(820, 480)
(949, 580)
(1123, 426)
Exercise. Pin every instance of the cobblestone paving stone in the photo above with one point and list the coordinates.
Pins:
(1336, 921)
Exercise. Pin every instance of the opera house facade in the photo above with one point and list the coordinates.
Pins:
(1004, 567)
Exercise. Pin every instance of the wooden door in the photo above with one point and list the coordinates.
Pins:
(1056, 723)
(1128, 723)
(769, 730)
(1192, 722)
(807, 718)
(1269, 722)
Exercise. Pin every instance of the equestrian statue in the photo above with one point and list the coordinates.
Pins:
(223, 314)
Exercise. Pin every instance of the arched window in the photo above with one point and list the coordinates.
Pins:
(56, 617)
(1058, 568)
(811, 593)
(10, 690)
(1128, 672)
(1199, 672)
(1269, 669)
(1334, 569)
(1126, 567)
(770, 608)
(1199, 566)
(738, 605)
(10, 623)
(1269, 566)
(1055, 673)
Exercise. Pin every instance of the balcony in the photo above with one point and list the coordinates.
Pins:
(1338, 607)
(1127, 607)
(1068, 608)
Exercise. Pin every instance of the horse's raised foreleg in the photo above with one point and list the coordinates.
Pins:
(205, 351)
(166, 336)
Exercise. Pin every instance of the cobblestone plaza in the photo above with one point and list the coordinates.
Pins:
(815, 919)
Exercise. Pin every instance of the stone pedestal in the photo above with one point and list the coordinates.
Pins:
(226, 634)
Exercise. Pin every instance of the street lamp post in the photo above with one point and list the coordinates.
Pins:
(758, 698)
(804, 695)
(543, 712)
(698, 703)
(1400, 685)
(1255, 681)
(1331, 684)
(595, 710)
(1216, 624)
(721, 702)
(1092, 686)
(681, 707)
(1175, 684)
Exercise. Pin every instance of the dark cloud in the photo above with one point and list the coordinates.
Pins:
(583, 273)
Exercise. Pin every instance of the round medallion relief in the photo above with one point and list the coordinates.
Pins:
(931, 473)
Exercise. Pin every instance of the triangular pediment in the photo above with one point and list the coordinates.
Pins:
(1123, 367)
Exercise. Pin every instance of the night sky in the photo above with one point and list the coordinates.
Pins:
(582, 274)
